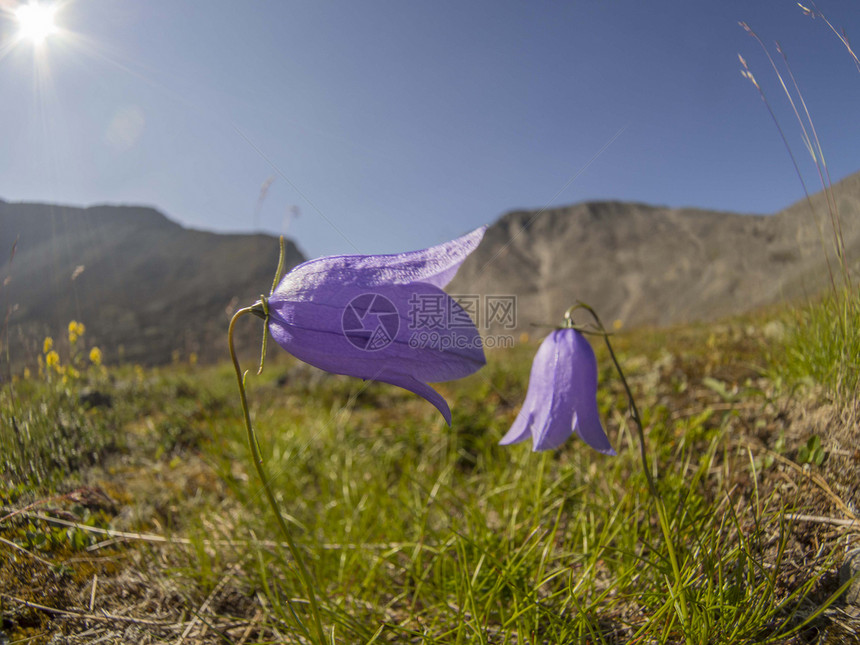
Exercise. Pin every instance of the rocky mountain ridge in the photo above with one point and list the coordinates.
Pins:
(651, 265)
(149, 290)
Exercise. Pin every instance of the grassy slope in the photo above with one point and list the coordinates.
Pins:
(416, 532)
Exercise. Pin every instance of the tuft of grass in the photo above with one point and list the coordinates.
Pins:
(822, 345)
(417, 532)
(57, 421)
(420, 533)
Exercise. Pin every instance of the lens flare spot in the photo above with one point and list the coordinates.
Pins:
(36, 22)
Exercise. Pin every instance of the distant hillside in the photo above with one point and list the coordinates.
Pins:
(147, 288)
(144, 286)
(651, 265)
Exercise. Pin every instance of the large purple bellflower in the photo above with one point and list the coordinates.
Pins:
(562, 396)
(381, 317)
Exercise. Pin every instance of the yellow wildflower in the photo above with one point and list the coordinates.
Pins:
(96, 356)
(76, 330)
(48, 345)
(52, 359)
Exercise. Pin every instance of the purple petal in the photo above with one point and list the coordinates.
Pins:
(537, 397)
(421, 389)
(555, 425)
(520, 430)
(436, 265)
(562, 395)
(382, 334)
(583, 388)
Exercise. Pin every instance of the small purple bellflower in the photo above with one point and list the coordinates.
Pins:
(562, 396)
(381, 317)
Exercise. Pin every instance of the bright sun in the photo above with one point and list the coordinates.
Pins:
(36, 21)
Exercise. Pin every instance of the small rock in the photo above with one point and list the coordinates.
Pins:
(93, 498)
(775, 331)
(92, 398)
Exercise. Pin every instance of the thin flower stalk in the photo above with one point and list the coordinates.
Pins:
(677, 591)
(257, 458)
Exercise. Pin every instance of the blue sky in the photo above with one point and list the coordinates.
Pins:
(393, 125)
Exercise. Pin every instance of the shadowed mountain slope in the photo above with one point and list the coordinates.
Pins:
(144, 286)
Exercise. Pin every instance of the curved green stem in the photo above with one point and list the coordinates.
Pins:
(258, 464)
(662, 514)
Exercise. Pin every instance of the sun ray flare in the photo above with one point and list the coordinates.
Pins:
(36, 22)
